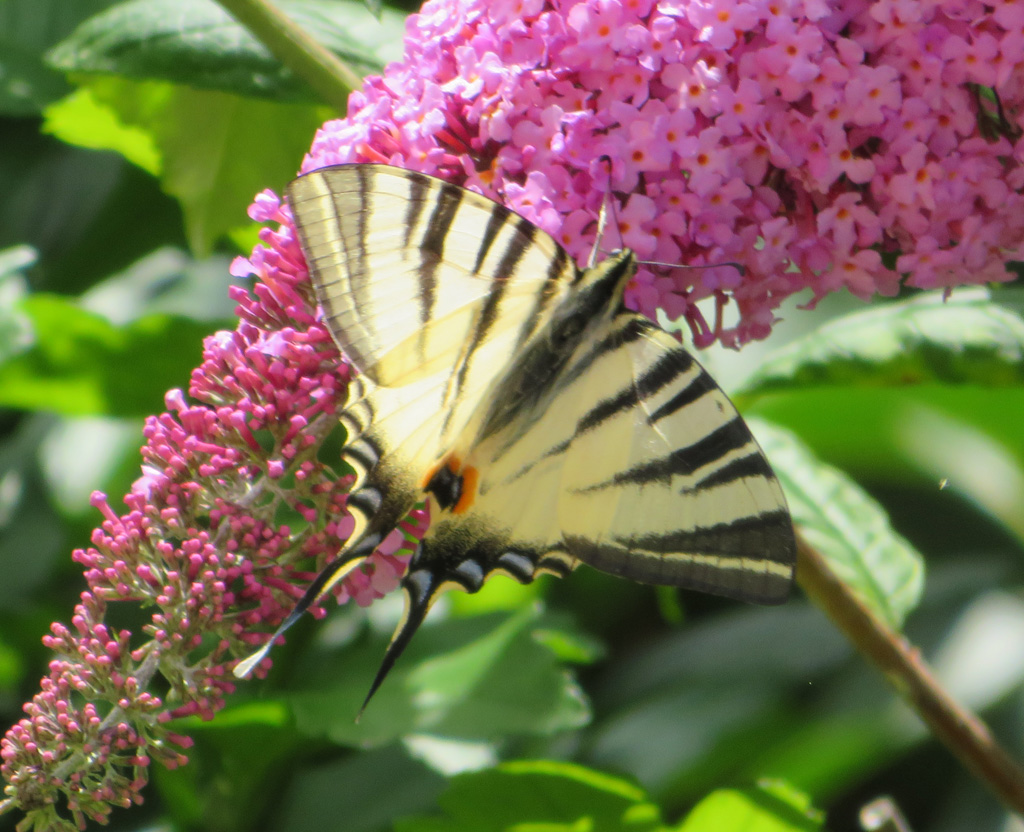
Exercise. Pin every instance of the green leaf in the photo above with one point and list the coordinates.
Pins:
(965, 340)
(369, 789)
(81, 364)
(197, 43)
(33, 541)
(476, 679)
(772, 808)
(83, 120)
(235, 758)
(570, 645)
(212, 151)
(496, 595)
(539, 795)
(27, 29)
(835, 745)
(848, 527)
(88, 214)
(15, 328)
(168, 281)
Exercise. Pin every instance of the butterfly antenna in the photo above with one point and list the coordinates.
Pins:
(738, 266)
(421, 588)
(607, 208)
(335, 571)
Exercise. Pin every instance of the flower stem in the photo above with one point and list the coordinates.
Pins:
(962, 731)
(330, 77)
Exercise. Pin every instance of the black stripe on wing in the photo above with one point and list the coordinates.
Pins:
(662, 373)
(731, 436)
(432, 251)
(735, 538)
(561, 269)
(536, 371)
(754, 465)
(628, 329)
(489, 313)
(446, 206)
(748, 560)
(494, 225)
(419, 188)
(700, 386)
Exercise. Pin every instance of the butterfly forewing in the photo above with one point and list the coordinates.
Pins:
(637, 464)
(664, 483)
(414, 274)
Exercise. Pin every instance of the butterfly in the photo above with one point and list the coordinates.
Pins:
(545, 423)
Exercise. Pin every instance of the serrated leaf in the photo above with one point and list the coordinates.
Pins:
(539, 795)
(466, 679)
(212, 151)
(775, 808)
(80, 364)
(965, 340)
(196, 42)
(847, 526)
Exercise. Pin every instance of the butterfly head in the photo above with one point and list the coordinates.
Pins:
(596, 298)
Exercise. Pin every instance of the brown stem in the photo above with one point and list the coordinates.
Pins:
(961, 731)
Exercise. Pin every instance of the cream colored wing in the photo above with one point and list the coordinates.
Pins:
(629, 459)
(430, 291)
(663, 482)
(416, 275)
(637, 464)
(548, 425)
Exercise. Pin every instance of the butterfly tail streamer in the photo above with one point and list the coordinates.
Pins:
(337, 570)
(421, 589)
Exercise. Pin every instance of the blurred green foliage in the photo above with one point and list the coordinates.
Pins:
(129, 157)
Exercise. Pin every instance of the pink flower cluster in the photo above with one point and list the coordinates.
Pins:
(822, 144)
(204, 546)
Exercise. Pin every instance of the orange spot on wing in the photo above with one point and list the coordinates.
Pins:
(470, 478)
